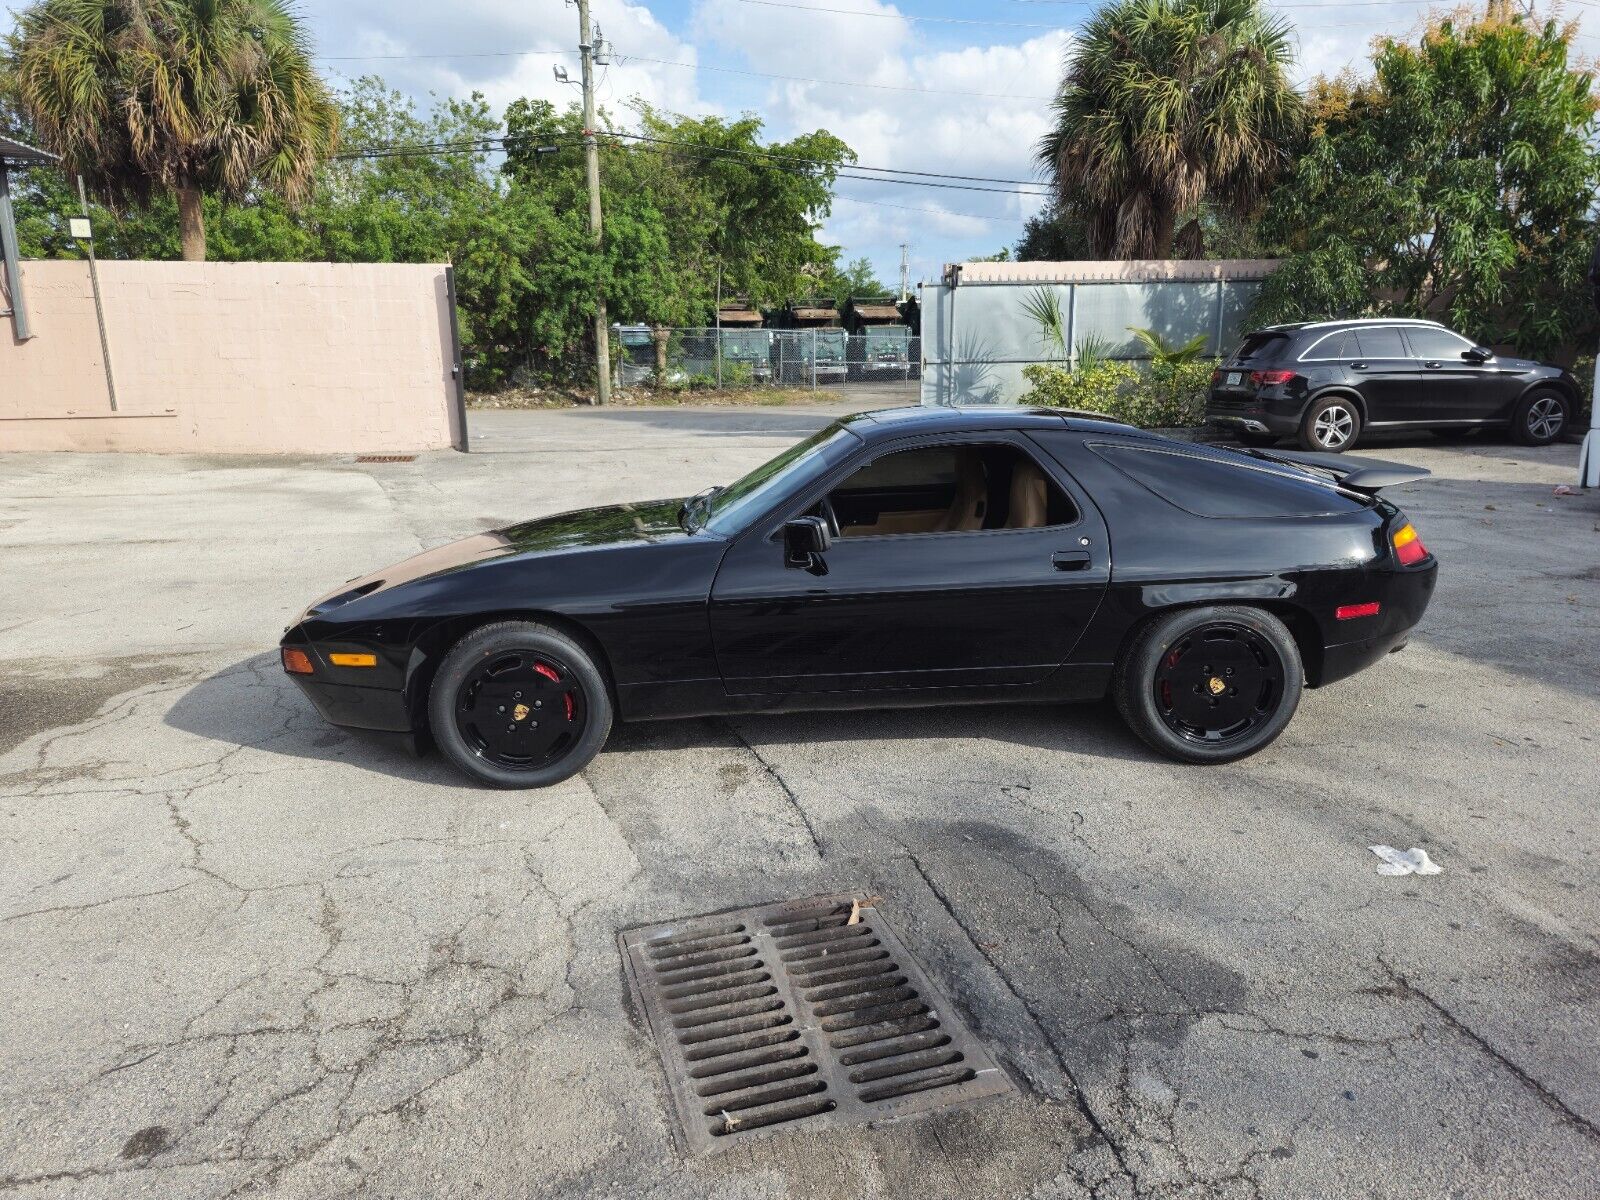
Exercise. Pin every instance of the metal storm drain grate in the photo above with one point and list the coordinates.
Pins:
(803, 1013)
(370, 458)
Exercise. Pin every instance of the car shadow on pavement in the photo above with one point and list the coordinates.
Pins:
(252, 704)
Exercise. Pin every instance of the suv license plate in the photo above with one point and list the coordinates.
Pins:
(1234, 378)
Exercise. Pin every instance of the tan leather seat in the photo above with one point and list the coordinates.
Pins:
(1030, 497)
(972, 497)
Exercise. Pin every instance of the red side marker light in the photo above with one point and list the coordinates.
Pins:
(296, 661)
(1408, 547)
(1349, 612)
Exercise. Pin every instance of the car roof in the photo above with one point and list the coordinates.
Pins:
(1347, 323)
(930, 418)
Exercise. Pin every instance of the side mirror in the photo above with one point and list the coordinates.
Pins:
(1478, 354)
(804, 539)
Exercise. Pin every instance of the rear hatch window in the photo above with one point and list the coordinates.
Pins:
(1260, 348)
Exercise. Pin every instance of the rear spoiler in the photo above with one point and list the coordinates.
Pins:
(1358, 474)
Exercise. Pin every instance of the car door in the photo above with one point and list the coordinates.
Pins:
(934, 579)
(1388, 378)
(1454, 388)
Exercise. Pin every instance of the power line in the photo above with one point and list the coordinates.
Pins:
(883, 87)
(793, 164)
(895, 16)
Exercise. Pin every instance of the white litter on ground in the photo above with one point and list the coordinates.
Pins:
(1414, 861)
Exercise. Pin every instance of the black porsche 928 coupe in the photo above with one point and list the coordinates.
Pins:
(910, 556)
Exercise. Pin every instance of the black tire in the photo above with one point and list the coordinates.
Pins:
(1262, 440)
(1230, 664)
(1540, 417)
(512, 672)
(1331, 425)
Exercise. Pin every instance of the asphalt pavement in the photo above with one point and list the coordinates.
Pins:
(245, 954)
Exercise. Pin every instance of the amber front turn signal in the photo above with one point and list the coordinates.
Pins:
(296, 661)
(353, 660)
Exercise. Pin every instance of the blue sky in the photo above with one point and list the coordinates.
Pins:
(924, 85)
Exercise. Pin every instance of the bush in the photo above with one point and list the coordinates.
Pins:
(1101, 387)
(1583, 372)
(1163, 396)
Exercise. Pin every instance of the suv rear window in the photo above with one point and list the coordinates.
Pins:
(1263, 347)
(1217, 487)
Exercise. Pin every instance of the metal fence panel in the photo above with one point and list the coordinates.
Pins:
(703, 360)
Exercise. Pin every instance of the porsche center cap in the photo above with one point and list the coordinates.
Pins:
(1214, 683)
(520, 712)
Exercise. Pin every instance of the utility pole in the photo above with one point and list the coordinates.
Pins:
(591, 152)
(905, 273)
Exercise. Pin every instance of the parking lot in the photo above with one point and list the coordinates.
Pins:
(247, 954)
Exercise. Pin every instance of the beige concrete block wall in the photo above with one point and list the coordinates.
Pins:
(274, 358)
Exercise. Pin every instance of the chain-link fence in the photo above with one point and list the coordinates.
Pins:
(712, 359)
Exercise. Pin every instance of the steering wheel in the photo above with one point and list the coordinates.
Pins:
(831, 517)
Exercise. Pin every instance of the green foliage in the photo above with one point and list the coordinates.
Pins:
(1168, 395)
(527, 272)
(1098, 387)
(1457, 183)
(1043, 307)
(1162, 352)
(855, 278)
(146, 98)
(1167, 106)
(1057, 234)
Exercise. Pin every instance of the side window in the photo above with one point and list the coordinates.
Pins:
(1381, 341)
(1435, 343)
(1334, 346)
(948, 489)
(1215, 487)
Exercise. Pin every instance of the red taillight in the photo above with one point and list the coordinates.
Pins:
(1349, 612)
(1216, 376)
(1408, 547)
(296, 661)
(1270, 378)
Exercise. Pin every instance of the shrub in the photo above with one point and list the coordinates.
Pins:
(1583, 372)
(1166, 395)
(1101, 387)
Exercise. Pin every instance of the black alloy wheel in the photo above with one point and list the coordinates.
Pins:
(1218, 683)
(519, 705)
(1210, 684)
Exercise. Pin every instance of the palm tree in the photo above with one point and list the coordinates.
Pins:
(1167, 106)
(194, 97)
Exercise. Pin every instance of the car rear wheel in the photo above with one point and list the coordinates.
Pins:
(1331, 425)
(517, 704)
(1210, 685)
(1540, 418)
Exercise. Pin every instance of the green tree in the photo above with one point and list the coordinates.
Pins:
(855, 278)
(189, 97)
(1457, 182)
(1168, 106)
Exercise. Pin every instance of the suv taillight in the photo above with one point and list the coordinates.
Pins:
(1270, 378)
(1408, 547)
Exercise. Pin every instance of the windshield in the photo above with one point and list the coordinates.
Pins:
(736, 505)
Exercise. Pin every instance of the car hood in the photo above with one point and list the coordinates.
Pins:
(613, 525)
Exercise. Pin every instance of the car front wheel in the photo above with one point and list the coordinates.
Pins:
(1540, 418)
(518, 704)
(1210, 685)
(1331, 425)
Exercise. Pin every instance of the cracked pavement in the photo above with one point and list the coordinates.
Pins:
(245, 954)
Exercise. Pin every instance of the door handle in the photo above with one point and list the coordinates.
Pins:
(1070, 560)
(1358, 366)
(1432, 366)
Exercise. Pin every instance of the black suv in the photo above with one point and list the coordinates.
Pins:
(1324, 382)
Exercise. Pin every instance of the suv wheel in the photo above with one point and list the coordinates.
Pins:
(1331, 425)
(1540, 418)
